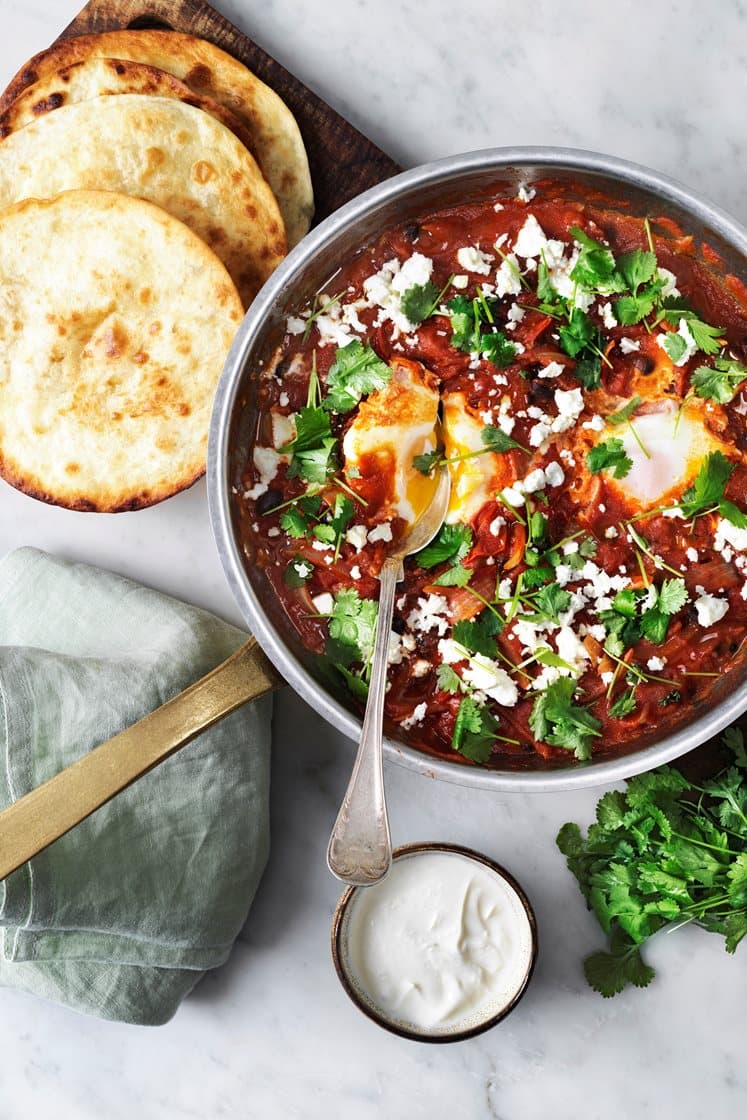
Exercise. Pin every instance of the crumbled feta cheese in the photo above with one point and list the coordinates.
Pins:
(531, 239)
(596, 424)
(450, 651)
(267, 461)
(273, 532)
(355, 572)
(321, 546)
(283, 400)
(570, 404)
(497, 206)
(656, 664)
(487, 675)
(608, 317)
(515, 314)
(420, 668)
(385, 289)
(460, 281)
(283, 429)
(709, 607)
(607, 677)
(692, 555)
(495, 526)
(417, 716)
(726, 532)
(611, 532)
(382, 532)
(670, 282)
(472, 259)
(534, 481)
(571, 649)
(505, 588)
(294, 324)
(525, 194)
(356, 536)
(429, 615)
(513, 496)
(500, 241)
(552, 369)
(602, 507)
(685, 334)
(323, 603)
(508, 277)
(554, 474)
(629, 345)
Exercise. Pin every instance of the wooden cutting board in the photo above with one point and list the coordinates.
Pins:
(342, 160)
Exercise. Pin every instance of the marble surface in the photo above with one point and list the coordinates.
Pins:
(272, 1034)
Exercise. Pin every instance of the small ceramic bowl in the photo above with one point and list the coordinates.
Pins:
(353, 982)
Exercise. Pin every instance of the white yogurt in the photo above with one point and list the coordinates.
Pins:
(441, 945)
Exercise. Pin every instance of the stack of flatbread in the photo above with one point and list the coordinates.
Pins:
(149, 185)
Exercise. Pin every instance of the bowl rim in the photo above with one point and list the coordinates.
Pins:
(543, 159)
(403, 852)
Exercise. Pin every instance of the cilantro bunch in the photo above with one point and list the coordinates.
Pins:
(663, 853)
(474, 331)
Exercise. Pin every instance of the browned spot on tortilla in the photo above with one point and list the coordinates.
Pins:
(202, 171)
(48, 104)
(140, 358)
(115, 340)
(72, 468)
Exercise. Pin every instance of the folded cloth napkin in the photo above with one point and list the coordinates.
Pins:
(122, 916)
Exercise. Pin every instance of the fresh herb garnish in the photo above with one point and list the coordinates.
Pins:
(497, 349)
(456, 576)
(452, 543)
(658, 855)
(610, 456)
(720, 382)
(352, 628)
(299, 519)
(475, 730)
(357, 371)
(595, 268)
(623, 415)
(670, 598)
(448, 680)
(467, 318)
(624, 705)
(478, 636)
(556, 720)
(707, 338)
(419, 301)
(297, 572)
(578, 333)
(551, 601)
(708, 487)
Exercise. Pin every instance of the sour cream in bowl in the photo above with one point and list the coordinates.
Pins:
(441, 949)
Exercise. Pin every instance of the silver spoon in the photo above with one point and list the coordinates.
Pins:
(360, 847)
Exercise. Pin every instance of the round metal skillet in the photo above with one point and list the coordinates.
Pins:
(455, 181)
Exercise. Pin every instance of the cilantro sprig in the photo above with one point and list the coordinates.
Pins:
(707, 491)
(468, 334)
(720, 381)
(452, 543)
(356, 372)
(475, 730)
(493, 439)
(666, 851)
(556, 720)
(610, 455)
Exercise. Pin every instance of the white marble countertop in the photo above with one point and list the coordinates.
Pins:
(272, 1034)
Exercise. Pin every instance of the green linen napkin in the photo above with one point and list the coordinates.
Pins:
(122, 916)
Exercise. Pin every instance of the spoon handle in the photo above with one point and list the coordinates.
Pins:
(360, 848)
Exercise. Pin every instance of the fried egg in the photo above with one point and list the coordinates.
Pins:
(394, 425)
(667, 454)
(476, 481)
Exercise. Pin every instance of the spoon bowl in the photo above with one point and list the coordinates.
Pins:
(360, 847)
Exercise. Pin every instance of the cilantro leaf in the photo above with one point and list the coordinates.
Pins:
(498, 349)
(478, 635)
(674, 344)
(639, 305)
(578, 333)
(624, 705)
(551, 600)
(636, 268)
(452, 543)
(623, 415)
(609, 455)
(496, 440)
(357, 371)
(672, 595)
(588, 371)
(556, 720)
(707, 338)
(315, 464)
(609, 973)
(474, 731)
(732, 513)
(357, 686)
(419, 301)
(428, 461)
(298, 572)
(352, 628)
(312, 426)
(720, 382)
(456, 576)
(293, 522)
(709, 485)
(448, 680)
(465, 324)
(595, 267)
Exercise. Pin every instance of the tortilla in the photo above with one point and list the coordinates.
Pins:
(166, 152)
(110, 350)
(99, 77)
(210, 72)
